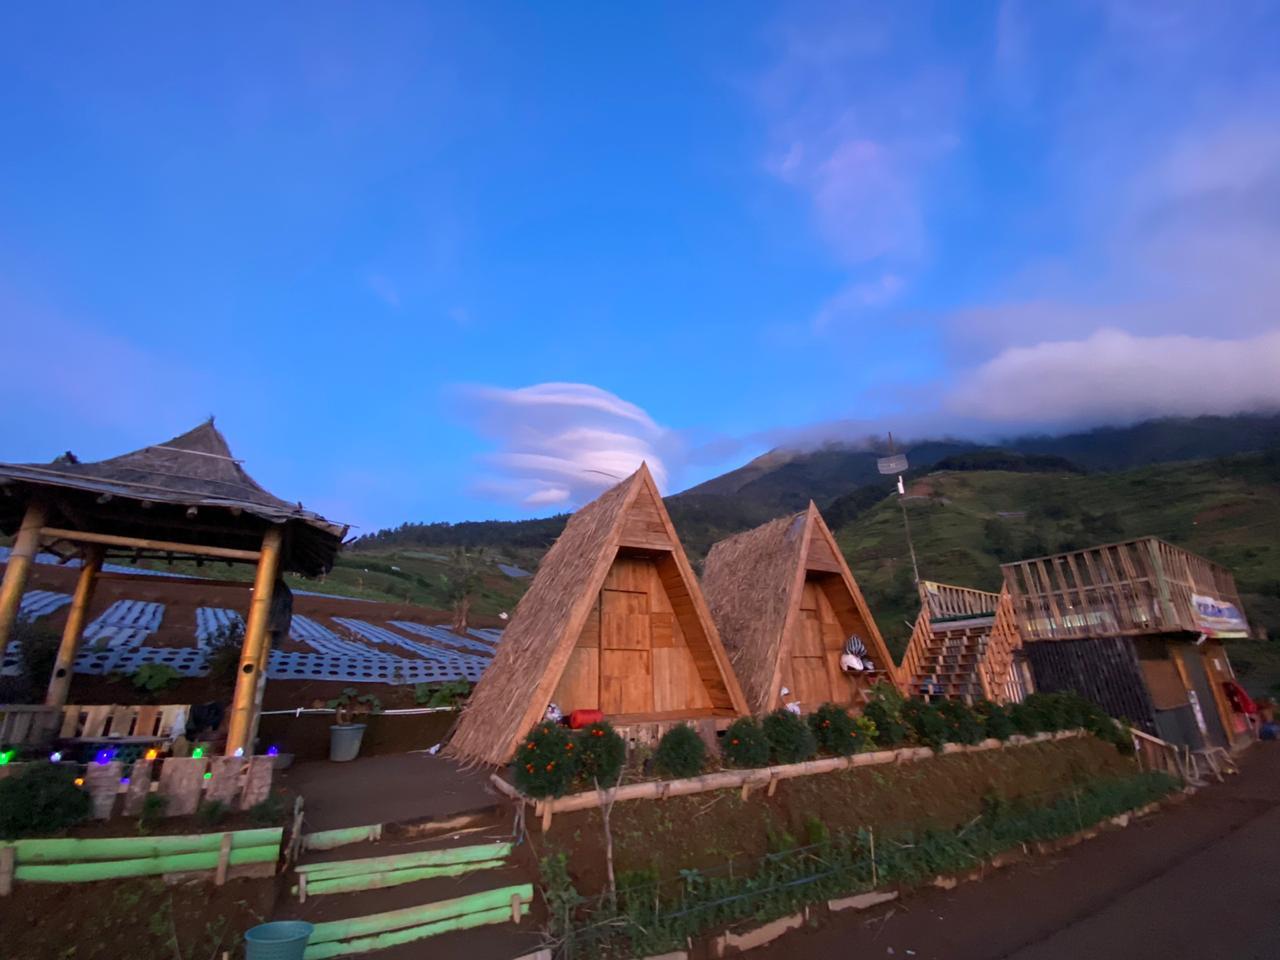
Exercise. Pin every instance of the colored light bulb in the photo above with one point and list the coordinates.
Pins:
(152, 753)
(197, 753)
(5, 756)
(208, 776)
(55, 757)
(273, 751)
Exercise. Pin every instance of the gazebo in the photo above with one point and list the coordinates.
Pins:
(185, 498)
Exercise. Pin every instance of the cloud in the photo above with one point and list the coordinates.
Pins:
(856, 298)
(858, 128)
(1115, 376)
(563, 443)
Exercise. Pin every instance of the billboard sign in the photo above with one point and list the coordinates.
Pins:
(1218, 618)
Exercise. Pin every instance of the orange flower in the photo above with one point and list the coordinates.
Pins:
(568, 746)
(551, 765)
(735, 741)
(529, 767)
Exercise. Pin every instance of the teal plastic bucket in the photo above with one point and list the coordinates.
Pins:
(280, 940)
(344, 741)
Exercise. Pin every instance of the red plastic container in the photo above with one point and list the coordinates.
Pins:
(584, 718)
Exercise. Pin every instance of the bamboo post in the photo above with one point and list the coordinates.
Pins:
(255, 641)
(64, 665)
(25, 546)
(8, 857)
(224, 860)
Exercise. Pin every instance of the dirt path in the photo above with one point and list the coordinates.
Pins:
(1196, 881)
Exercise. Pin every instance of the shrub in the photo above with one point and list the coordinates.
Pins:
(212, 812)
(153, 677)
(745, 744)
(449, 694)
(269, 811)
(545, 762)
(37, 652)
(42, 799)
(153, 808)
(681, 752)
(600, 752)
(1025, 719)
(834, 730)
(995, 718)
(925, 722)
(884, 709)
(790, 739)
(225, 647)
(963, 724)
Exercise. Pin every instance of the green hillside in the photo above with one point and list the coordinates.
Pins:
(966, 523)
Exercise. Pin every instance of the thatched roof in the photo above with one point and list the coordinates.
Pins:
(129, 495)
(514, 692)
(753, 583)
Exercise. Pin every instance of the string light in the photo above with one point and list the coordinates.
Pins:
(55, 757)
(104, 757)
(5, 756)
(124, 781)
(79, 781)
(273, 751)
(197, 753)
(208, 776)
(152, 753)
(239, 751)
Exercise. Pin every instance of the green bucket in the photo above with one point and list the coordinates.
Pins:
(279, 940)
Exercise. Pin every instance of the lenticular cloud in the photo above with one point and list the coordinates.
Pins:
(560, 444)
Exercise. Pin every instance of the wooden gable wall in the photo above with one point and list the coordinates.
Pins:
(643, 650)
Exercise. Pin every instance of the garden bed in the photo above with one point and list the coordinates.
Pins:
(714, 829)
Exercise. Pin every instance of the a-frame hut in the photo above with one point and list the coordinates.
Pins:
(786, 602)
(965, 645)
(613, 621)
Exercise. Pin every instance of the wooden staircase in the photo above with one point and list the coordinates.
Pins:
(963, 646)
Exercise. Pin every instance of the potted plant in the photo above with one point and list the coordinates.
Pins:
(345, 735)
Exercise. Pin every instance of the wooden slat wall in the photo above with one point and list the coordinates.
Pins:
(633, 655)
(1138, 587)
(1104, 670)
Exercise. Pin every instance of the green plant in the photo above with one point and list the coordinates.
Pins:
(41, 799)
(963, 724)
(790, 739)
(212, 812)
(996, 720)
(268, 811)
(545, 762)
(884, 709)
(745, 744)
(351, 703)
(833, 730)
(925, 722)
(449, 694)
(225, 647)
(601, 753)
(681, 752)
(153, 808)
(151, 678)
(37, 652)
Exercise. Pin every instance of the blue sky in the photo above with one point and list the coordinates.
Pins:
(455, 261)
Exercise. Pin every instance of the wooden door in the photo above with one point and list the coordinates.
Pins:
(626, 651)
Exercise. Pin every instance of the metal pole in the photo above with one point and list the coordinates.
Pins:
(915, 569)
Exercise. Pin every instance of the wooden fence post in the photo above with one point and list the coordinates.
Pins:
(8, 855)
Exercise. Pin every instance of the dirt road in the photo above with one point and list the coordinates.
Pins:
(1200, 880)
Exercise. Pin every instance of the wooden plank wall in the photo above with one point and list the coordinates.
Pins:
(1104, 670)
(1139, 587)
(634, 654)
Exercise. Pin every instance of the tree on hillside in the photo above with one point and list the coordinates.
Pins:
(464, 584)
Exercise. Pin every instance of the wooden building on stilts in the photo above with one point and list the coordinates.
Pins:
(187, 498)
(1139, 627)
(965, 646)
(614, 621)
(788, 609)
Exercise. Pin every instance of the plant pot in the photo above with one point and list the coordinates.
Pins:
(279, 940)
(344, 741)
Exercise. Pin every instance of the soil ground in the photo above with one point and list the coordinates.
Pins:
(1195, 880)
(387, 789)
(711, 831)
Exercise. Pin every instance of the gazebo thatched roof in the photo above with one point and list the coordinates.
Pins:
(753, 581)
(514, 692)
(188, 489)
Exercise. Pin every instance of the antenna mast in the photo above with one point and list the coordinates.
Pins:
(888, 466)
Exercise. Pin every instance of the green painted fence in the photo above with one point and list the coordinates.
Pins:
(420, 858)
(84, 860)
(342, 938)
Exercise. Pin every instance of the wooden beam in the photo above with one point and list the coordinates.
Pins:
(64, 663)
(253, 654)
(138, 543)
(25, 546)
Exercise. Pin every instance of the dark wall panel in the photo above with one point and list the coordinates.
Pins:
(1105, 670)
